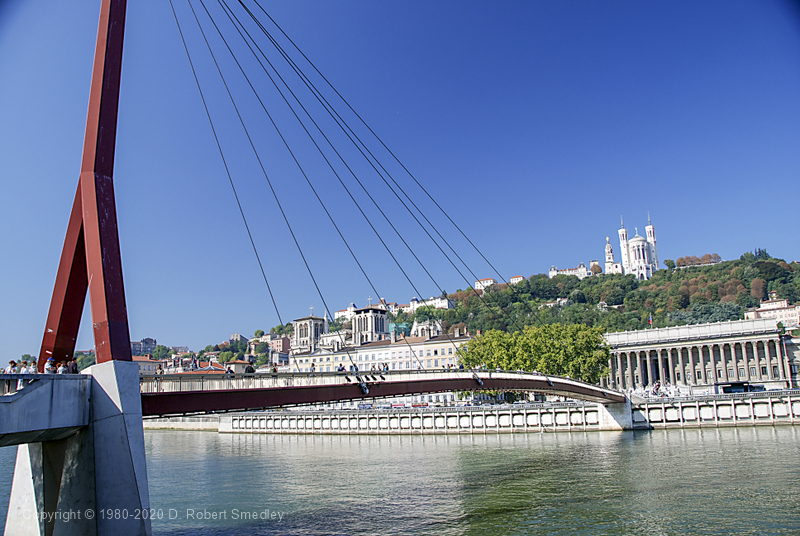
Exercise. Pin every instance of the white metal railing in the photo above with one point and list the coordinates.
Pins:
(642, 401)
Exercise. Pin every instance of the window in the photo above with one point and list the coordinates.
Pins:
(699, 375)
(794, 369)
(678, 376)
(436, 352)
(719, 373)
(393, 353)
(763, 371)
(730, 373)
(752, 371)
(406, 353)
(429, 353)
(435, 362)
(429, 363)
(741, 373)
(450, 350)
(775, 372)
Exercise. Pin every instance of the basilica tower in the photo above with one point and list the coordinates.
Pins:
(623, 247)
(650, 233)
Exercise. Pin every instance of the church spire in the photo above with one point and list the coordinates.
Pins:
(621, 223)
(648, 218)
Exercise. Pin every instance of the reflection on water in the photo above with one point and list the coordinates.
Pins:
(662, 482)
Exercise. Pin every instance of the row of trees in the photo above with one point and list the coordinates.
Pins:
(708, 258)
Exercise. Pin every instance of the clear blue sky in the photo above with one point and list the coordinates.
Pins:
(536, 124)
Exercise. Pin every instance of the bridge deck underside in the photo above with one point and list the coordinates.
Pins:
(179, 403)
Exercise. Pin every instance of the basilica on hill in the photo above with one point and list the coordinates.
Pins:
(638, 256)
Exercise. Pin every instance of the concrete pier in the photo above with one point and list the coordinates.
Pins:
(92, 478)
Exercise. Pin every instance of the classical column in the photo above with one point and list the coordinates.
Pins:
(688, 376)
(661, 366)
(629, 371)
(724, 362)
(768, 359)
(671, 366)
(642, 366)
(701, 361)
(777, 355)
(691, 380)
(746, 358)
(784, 358)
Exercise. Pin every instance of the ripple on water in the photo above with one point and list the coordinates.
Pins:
(673, 482)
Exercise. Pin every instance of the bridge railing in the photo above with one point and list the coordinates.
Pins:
(640, 400)
(193, 382)
(165, 383)
(11, 383)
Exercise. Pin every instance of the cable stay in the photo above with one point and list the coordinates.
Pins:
(282, 86)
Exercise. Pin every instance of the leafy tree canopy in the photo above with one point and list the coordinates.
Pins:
(573, 350)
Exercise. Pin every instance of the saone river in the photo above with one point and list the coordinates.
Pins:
(712, 481)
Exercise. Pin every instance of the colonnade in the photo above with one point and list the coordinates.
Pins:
(700, 363)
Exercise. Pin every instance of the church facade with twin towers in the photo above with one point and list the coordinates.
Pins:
(638, 255)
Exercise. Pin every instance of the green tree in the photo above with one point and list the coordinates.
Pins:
(669, 263)
(224, 357)
(161, 352)
(575, 350)
(258, 333)
(262, 348)
(758, 288)
(84, 359)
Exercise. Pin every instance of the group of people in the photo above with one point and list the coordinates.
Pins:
(50, 367)
(20, 368)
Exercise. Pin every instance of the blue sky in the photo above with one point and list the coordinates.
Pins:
(535, 124)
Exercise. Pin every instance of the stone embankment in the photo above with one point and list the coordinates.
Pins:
(747, 409)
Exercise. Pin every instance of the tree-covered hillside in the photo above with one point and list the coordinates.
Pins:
(683, 295)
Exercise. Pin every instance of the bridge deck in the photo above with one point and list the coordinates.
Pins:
(195, 393)
(47, 407)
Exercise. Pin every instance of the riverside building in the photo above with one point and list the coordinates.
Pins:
(703, 356)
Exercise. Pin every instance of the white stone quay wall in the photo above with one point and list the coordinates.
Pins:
(182, 423)
(554, 418)
(750, 409)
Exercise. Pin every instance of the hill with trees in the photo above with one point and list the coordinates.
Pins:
(689, 294)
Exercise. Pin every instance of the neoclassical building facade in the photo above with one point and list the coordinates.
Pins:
(702, 355)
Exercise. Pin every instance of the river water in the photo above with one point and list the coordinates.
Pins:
(712, 481)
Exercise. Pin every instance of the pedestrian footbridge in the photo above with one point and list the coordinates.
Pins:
(181, 394)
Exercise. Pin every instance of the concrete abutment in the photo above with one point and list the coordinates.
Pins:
(76, 485)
